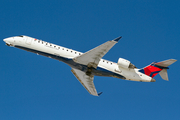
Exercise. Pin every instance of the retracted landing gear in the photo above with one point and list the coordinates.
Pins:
(89, 71)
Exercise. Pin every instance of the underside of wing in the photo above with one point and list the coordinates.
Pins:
(92, 57)
(85, 80)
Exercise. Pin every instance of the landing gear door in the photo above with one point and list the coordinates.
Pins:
(28, 41)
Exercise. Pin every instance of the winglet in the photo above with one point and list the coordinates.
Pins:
(117, 39)
(100, 93)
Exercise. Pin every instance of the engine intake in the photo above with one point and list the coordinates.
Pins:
(125, 63)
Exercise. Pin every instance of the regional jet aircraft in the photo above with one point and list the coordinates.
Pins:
(89, 64)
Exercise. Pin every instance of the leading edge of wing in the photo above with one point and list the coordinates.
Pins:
(86, 81)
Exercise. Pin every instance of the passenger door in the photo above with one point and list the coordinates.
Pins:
(28, 41)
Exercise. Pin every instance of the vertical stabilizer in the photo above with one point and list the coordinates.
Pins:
(158, 67)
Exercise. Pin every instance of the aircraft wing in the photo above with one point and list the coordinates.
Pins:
(86, 81)
(92, 57)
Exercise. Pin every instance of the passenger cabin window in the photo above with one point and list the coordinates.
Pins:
(21, 36)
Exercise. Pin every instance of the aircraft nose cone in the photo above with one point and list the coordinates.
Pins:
(7, 40)
(153, 80)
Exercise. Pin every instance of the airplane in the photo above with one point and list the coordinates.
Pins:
(89, 64)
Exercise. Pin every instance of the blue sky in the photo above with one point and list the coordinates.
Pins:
(38, 88)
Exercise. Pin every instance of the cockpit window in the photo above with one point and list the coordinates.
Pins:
(21, 36)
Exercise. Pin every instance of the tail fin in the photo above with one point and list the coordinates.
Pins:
(158, 67)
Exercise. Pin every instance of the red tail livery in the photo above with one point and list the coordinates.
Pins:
(160, 67)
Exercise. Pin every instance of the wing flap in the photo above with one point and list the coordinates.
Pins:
(86, 81)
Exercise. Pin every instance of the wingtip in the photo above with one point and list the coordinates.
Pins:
(117, 39)
(100, 93)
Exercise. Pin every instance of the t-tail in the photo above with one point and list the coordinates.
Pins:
(158, 67)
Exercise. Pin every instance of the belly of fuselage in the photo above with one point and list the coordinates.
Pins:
(97, 72)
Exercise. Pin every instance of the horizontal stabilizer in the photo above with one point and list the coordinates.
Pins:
(166, 63)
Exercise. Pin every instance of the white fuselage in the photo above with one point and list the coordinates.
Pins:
(104, 68)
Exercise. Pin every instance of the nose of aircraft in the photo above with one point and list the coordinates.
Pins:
(5, 40)
(8, 41)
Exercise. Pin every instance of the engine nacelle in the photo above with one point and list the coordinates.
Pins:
(125, 63)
